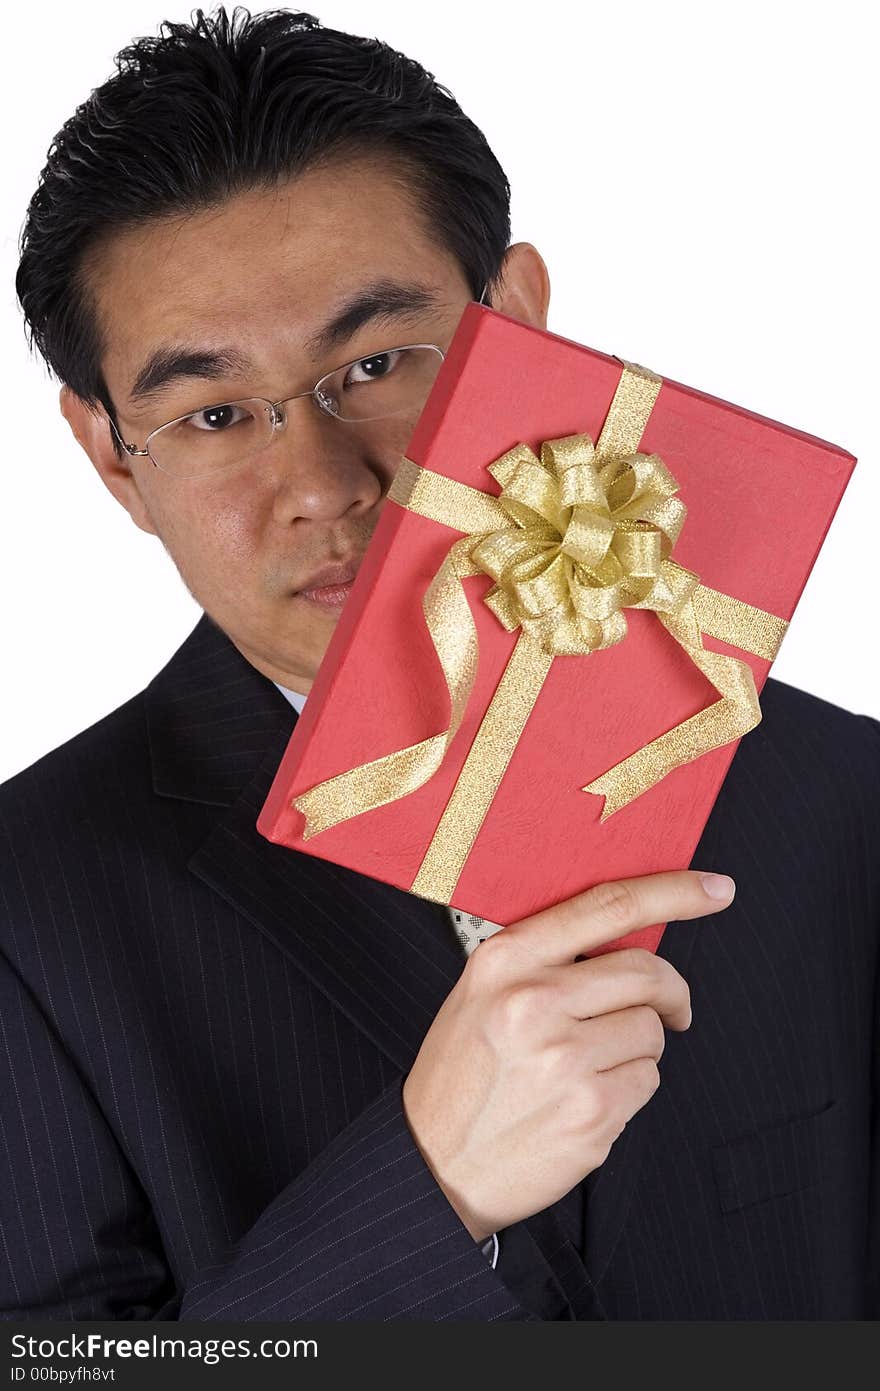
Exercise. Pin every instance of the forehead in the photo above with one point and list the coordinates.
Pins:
(260, 267)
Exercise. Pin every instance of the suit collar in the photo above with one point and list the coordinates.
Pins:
(218, 729)
(212, 717)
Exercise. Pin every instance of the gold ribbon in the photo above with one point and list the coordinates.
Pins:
(574, 538)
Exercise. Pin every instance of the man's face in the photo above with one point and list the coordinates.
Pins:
(260, 275)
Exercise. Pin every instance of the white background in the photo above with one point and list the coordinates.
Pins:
(717, 225)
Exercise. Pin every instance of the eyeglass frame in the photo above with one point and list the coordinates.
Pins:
(278, 417)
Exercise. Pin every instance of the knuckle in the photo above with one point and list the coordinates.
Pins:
(652, 1035)
(552, 1069)
(671, 987)
(489, 963)
(613, 903)
(647, 1075)
(519, 1008)
(639, 961)
(686, 995)
(592, 1106)
(607, 1131)
(600, 1148)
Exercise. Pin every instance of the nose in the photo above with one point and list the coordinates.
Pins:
(322, 469)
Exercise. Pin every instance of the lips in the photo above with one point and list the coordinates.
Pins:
(340, 573)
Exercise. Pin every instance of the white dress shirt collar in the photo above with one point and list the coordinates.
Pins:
(296, 700)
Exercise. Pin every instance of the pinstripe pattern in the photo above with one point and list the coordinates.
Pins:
(203, 1038)
(469, 930)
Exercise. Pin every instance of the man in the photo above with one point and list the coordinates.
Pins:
(244, 1083)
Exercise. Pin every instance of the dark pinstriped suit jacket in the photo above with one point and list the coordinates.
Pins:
(203, 1038)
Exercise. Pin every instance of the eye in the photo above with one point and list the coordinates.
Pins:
(370, 369)
(218, 418)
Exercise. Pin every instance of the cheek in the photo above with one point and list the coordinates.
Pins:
(231, 532)
(210, 538)
(226, 521)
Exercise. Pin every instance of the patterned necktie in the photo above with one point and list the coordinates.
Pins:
(470, 930)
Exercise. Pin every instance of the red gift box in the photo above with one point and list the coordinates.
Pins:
(521, 833)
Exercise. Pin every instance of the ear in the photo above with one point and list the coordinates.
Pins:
(92, 430)
(524, 291)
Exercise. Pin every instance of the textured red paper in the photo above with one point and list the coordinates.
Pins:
(760, 499)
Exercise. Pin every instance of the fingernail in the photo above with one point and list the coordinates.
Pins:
(718, 886)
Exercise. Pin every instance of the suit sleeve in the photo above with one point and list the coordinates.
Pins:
(873, 1259)
(872, 1269)
(872, 1280)
(364, 1232)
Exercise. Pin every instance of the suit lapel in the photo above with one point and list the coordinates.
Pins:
(378, 953)
(218, 729)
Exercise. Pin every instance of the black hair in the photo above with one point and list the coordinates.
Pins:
(224, 104)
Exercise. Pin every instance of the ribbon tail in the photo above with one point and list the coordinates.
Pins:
(382, 780)
(720, 723)
(483, 769)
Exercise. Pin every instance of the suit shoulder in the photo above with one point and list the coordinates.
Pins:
(93, 768)
(782, 704)
(818, 752)
(68, 824)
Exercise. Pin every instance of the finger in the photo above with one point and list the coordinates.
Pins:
(619, 980)
(621, 1091)
(612, 1039)
(610, 910)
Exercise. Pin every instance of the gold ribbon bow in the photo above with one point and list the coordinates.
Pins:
(573, 539)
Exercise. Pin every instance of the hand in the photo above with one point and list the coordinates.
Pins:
(536, 1060)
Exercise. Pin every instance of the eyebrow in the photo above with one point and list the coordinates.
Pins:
(387, 300)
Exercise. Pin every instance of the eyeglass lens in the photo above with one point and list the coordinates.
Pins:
(388, 385)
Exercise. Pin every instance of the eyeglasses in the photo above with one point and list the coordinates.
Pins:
(393, 383)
